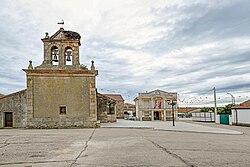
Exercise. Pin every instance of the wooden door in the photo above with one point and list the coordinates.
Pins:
(8, 119)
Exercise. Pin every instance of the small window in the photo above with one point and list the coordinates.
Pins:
(145, 113)
(63, 109)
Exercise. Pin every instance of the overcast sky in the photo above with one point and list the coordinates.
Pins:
(180, 46)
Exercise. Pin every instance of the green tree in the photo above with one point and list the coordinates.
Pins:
(225, 110)
(207, 109)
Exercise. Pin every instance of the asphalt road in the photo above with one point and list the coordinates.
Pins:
(122, 147)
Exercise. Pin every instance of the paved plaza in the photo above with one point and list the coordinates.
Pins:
(121, 146)
(180, 126)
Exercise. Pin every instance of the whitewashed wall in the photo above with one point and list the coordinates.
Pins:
(230, 119)
(243, 116)
(137, 109)
(217, 119)
(233, 116)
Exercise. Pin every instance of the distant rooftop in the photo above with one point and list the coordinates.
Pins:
(245, 104)
(128, 105)
(186, 109)
(12, 94)
(116, 97)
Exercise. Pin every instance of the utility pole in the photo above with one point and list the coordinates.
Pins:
(215, 105)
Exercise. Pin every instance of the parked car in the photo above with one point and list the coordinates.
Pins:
(132, 117)
(129, 116)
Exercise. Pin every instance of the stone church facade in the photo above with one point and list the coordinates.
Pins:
(60, 92)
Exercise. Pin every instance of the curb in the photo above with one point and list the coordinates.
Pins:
(195, 131)
(175, 130)
(129, 127)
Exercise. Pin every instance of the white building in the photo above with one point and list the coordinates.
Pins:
(241, 114)
(156, 105)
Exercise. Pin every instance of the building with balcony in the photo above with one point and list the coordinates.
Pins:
(156, 105)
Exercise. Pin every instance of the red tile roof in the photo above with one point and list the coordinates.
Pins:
(99, 94)
(116, 97)
(128, 105)
(245, 104)
(185, 109)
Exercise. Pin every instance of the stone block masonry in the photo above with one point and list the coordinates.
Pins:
(14, 103)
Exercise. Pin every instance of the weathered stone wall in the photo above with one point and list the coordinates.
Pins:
(119, 109)
(105, 109)
(62, 122)
(104, 117)
(49, 93)
(60, 41)
(48, 90)
(15, 103)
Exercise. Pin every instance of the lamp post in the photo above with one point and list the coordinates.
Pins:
(172, 103)
(233, 98)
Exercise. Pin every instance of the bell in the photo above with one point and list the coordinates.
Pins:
(68, 54)
(68, 58)
(55, 58)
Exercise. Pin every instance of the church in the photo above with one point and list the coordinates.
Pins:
(60, 92)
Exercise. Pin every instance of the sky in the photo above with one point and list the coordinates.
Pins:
(188, 47)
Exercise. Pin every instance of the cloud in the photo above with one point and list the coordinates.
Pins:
(184, 46)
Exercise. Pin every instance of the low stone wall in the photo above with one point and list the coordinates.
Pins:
(61, 123)
(111, 118)
(106, 118)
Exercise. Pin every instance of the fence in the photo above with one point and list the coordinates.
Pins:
(203, 116)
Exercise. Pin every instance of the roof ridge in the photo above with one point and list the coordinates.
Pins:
(24, 90)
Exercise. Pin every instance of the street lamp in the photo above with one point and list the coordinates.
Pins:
(233, 98)
(172, 103)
